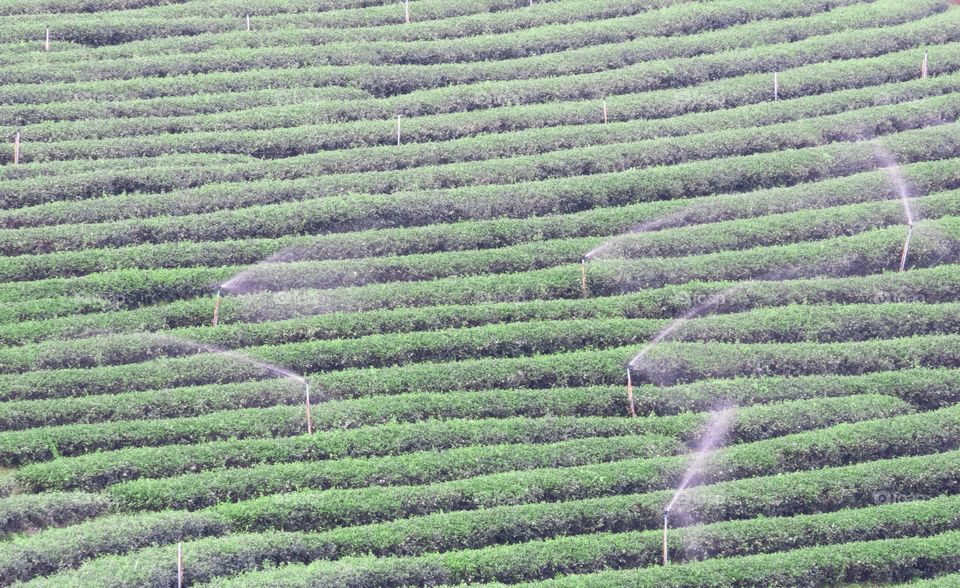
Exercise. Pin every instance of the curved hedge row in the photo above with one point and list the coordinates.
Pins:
(512, 564)
(570, 61)
(754, 88)
(97, 470)
(449, 303)
(733, 234)
(935, 242)
(515, 339)
(116, 28)
(520, 43)
(825, 490)
(922, 387)
(885, 438)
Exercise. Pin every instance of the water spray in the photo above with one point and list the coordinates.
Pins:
(906, 247)
(306, 386)
(583, 276)
(216, 309)
(632, 411)
(666, 525)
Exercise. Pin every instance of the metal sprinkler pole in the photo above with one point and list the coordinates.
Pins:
(906, 247)
(666, 524)
(406, 11)
(180, 564)
(16, 148)
(583, 276)
(216, 309)
(604, 111)
(46, 43)
(776, 86)
(309, 419)
(398, 130)
(923, 66)
(633, 412)
(248, 22)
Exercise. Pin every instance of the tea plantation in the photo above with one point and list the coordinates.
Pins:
(372, 293)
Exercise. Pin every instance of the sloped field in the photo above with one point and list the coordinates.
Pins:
(299, 293)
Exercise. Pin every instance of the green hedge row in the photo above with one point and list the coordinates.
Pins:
(761, 230)
(520, 43)
(824, 324)
(111, 368)
(162, 108)
(30, 512)
(98, 470)
(55, 550)
(363, 139)
(412, 209)
(666, 363)
(556, 558)
(181, 8)
(567, 62)
(753, 89)
(824, 490)
(461, 302)
(934, 243)
(512, 488)
(910, 435)
(417, 75)
(402, 91)
(620, 140)
(192, 492)
(46, 308)
(385, 22)
(154, 404)
(246, 322)
(319, 510)
(681, 361)
(882, 561)
(276, 273)
(452, 126)
(924, 388)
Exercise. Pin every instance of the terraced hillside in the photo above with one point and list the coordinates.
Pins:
(376, 293)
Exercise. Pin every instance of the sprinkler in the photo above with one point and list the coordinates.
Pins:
(633, 412)
(306, 385)
(16, 148)
(906, 247)
(583, 276)
(666, 525)
(923, 66)
(216, 309)
(180, 564)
